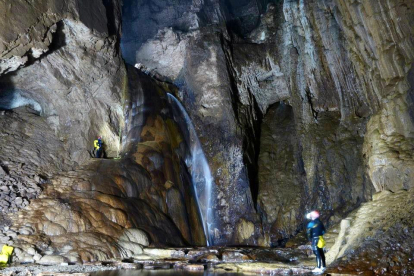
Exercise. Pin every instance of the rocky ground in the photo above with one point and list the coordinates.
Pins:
(370, 241)
(249, 261)
(48, 270)
(268, 261)
(378, 237)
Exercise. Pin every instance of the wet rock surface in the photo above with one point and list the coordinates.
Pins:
(312, 58)
(377, 237)
(374, 237)
(61, 270)
(154, 140)
(111, 208)
(80, 209)
(298, 105)
(176, 260)
(91, 220)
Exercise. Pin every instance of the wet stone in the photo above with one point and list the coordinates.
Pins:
(194, 267)
(155, 266)
(234, 256)
(125, 265)
(210, 258)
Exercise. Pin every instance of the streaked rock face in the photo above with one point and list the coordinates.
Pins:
(65, 85)
(21, 41)
(379, 235)
(60, 102)
(346, 87)
(94, 214)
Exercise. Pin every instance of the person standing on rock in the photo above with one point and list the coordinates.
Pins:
(98, 147)
(314, 232)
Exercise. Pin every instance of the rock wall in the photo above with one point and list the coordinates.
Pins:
(382, 54)
(86, 214)
(328, 48)
(153, 139)
(378, 235)
(21, 41)
(216, 122)
(72, 45)
(54, 104)
(344, 90)
(325, 104)
(61, 83)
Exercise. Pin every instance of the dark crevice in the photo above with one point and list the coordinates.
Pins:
(8, 91)
(4, 168)
(114, 28)
(309, 98)
(58, 41)
(111, 17)
(249, 119)
(253, 149)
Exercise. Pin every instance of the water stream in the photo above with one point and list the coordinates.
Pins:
(198, 166)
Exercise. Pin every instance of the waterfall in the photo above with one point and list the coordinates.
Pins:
(197, 165)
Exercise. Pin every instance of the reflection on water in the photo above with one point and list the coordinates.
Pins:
(169, 272)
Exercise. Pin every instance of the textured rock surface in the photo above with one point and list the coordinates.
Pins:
(21, 41)
(380, 42)
(301, 169)
(93, 214)
(79, 209)
(63, 99)
(379, 234)
(298, 105)
(72, 81)
(54, 127)
(213, 114)
(164, 54)
(344, 127)
(153, 139)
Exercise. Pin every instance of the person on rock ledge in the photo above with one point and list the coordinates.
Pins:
(98, 147)
(314, 232)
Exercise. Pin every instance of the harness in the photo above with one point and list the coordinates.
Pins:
(97, 144)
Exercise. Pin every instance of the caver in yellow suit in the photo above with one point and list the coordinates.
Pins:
(6, 252)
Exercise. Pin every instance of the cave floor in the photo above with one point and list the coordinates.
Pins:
(190, 261)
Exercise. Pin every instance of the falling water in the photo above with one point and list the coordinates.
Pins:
(198, 166)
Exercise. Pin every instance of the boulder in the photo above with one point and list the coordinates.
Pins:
(234, 256)
(164, 253)
(376, 233)
(209, 258)
(135, 236)
(194, 267)
(52, 260)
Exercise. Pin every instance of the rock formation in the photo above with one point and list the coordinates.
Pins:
(379, 234)
(298, 105)
(53, 108)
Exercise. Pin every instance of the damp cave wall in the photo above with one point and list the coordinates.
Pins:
(333, 75)
(338, 69)
(66, 59)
